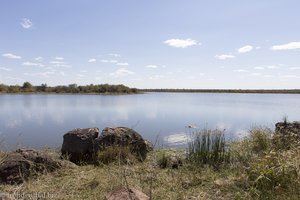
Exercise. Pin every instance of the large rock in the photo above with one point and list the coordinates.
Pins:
(285, 128)
(78, 144)
(126, 194)
(123, 137)
(17, 167)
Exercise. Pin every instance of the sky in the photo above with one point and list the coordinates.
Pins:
(198, 44)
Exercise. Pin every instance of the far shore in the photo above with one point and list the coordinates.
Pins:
(259, 91)
(143, 91)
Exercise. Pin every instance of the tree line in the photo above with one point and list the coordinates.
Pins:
(283, 91)
(27, 87)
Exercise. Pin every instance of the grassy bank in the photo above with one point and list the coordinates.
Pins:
(262, 166)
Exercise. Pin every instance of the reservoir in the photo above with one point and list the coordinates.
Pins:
(167, 119)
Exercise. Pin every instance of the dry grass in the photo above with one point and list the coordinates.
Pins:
(94, 182)
(257, 171)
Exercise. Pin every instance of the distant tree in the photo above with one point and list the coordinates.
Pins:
(3, 88)
(41, 88)
(14, 89)
(27, 87)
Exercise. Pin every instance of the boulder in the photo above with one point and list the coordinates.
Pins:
(285, 128)
(126, 194)
(18, 166)
(78, 144)
(123, 137)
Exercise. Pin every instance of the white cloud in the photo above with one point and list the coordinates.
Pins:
(272, 67)
(259, 68)
(44, 74)
(181, 43)
(288, 46)
(39, 58)
(245, 49)
(288, 76)
(33, 64)
(122, 64)
(5, 69)
(80, 75)
(92, 60)
(151, 66)
(266, 67)
(26, 23)
(60, 64)
(121, 72)
(57, 62)
(294, 68)
(224, 56)
(11, 56)
(114, 54)
(14, 78)
(268, 76)
(108, 61)
(158, 76)
(255, 74)
(241, 70)
(59, 58)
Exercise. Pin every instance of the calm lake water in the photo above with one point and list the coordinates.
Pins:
(41, 120)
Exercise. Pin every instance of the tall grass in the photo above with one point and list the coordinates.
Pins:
(208, 147)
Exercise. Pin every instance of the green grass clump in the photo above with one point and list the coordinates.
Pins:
(271, 171)
(115, 154)
(275, 174)
(208, 147)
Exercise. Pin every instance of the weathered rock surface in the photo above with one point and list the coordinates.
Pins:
(78, 144)
(124, 137)
(285, 128)
(18, 166)
(126, 194)
(83, 144)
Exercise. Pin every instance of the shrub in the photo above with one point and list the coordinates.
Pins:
(260, 140)
(275, 174)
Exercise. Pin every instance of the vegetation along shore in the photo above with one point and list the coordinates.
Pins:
(263, 165)
(28, 88)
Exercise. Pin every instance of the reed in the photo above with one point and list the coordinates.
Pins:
(208, 147)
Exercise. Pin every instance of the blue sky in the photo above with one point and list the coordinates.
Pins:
(151, 44)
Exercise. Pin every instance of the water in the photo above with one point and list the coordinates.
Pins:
(41, 120)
